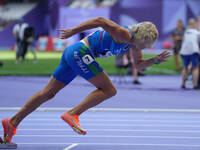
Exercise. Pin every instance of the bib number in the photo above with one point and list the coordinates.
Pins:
(87, 59)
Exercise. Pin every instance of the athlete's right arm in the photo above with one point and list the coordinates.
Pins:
(118, 33)
(139, 63)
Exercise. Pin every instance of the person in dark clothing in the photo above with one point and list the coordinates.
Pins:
(29, 35)
(18, 32)
(177, 37)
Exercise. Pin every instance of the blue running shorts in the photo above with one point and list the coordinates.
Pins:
(76, 60)
(193, 58)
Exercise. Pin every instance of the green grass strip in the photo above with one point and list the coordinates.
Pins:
(48, 61)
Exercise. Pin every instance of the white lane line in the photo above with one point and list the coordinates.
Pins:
(114, 130)
(110, 136)
(117, 144)
(119, 120)
(113, 125)
(70, 147)
(108, 109)
(101, 116)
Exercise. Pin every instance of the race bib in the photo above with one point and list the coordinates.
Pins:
(87, 59)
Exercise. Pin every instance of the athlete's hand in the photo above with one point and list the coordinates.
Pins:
(163, 57)
(66, 33)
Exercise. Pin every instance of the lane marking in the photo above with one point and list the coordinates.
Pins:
(110, 136)
(100, 116)
(108, 109)
(118, 144)
(119, 120)
(70, 147)
(111, 125)
(114, 130)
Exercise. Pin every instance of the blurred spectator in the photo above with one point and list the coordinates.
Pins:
(121, 63)
(132, 69)
(18, 32)
(24, 35)
(198, 22)
(198, 28)
(177, 37)
(190, 53)
(124, 61)
(29, 36)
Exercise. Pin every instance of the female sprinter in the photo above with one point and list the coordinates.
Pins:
(79, 59)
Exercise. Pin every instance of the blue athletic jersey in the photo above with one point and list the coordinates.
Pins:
(78, 59)
(102, 44)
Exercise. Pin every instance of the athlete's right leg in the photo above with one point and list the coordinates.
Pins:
(61, 77)
(50, 90)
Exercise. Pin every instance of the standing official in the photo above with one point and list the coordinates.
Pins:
(18, 32)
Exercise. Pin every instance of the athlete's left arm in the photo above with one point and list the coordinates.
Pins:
(118, 33)
(136, 57)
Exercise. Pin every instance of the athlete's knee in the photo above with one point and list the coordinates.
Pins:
(113, 91)
(110, 92)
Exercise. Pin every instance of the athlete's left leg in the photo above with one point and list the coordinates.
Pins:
(105, 89)
(49, 91)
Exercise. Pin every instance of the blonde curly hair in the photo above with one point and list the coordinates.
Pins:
(145, 32)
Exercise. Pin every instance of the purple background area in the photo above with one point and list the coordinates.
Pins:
(50, 15)
(162, 92)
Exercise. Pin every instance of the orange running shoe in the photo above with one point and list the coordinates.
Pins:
(73, 121)
(9, 130)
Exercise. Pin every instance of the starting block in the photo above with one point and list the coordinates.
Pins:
(4, 145)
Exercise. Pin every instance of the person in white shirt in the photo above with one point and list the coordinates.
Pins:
(190, 53)
(18, 32)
